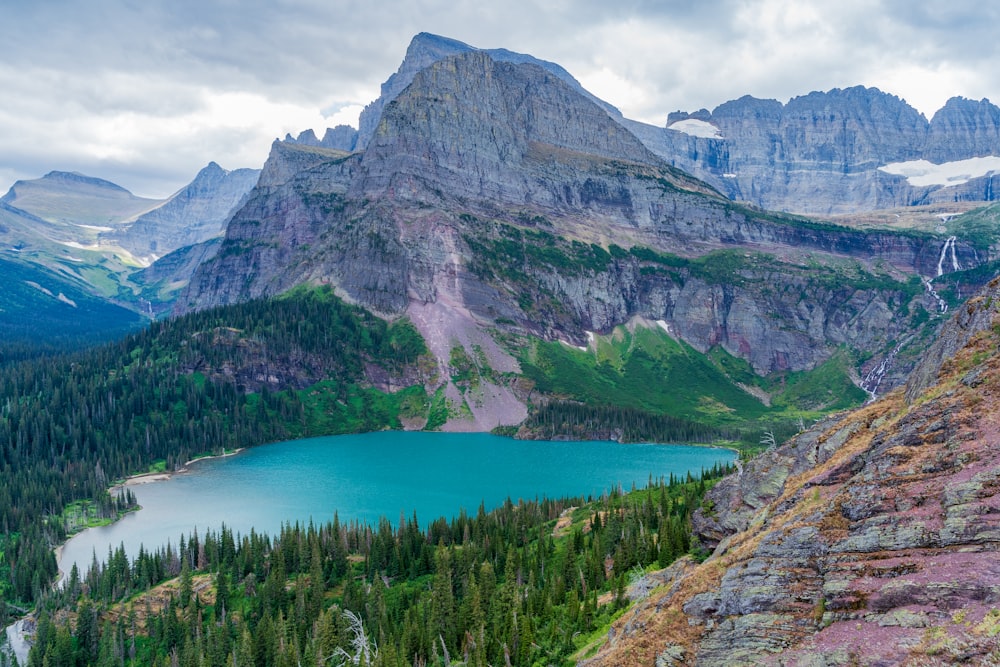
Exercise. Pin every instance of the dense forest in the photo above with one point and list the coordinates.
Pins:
(213, 380)
(531, 583)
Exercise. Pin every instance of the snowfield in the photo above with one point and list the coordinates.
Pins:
(696, 128)
(921, 173)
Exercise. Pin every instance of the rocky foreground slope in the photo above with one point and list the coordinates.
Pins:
(870, 539)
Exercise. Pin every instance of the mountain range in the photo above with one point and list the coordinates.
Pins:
(495, 248)
(826, 153)
(88, 237)
(491, 193)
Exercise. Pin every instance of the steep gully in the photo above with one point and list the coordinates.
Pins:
(874, 378)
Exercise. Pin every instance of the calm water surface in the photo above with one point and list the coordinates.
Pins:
(372, 475)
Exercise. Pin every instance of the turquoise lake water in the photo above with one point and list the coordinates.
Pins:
(372, 475)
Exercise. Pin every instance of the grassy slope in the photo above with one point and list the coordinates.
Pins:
(647, 369)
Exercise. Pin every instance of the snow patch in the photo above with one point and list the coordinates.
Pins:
(39, 288)
(666, 327)
(921, 173)
(729, 175)
(696, 128)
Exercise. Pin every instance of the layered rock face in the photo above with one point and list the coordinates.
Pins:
(196, 213)
(869, 540)
(475, 150)
(821, 153)
(426, 49)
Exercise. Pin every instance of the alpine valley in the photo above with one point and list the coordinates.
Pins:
(495, 249)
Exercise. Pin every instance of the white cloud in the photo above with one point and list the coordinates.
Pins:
(145, 94)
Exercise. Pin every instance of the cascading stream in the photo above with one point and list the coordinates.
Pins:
(875, 376)
(942, 305)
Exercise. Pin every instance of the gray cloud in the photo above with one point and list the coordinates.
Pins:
(146, 93)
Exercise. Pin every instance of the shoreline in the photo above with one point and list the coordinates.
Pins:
(132, 480)
(150, 477)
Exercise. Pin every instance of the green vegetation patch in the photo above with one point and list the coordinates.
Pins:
(644, 385)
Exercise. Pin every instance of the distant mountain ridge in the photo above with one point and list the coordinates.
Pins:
(87, 237)
(68, 197)
(820, 154)
(833, 152)
(196, 213)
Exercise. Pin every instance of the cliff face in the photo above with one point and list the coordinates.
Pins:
(196, 213)
(870, 539)
(475, 152)
(821, 153)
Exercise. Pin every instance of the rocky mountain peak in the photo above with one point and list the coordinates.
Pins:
(424, 50)
(193, 214)
(963, 128)
(472, 121)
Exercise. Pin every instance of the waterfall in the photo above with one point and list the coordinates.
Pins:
(948, 244)
(875, 376)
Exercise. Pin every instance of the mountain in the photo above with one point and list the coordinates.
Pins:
(494, 195)
(826, 153)
(869, 539)
(76, 200)
(837, 152)
(90, 236)
(196, 213)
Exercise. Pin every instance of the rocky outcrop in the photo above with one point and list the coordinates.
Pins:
(871, 539)
(341, 138)
(973, 318)
(196, 213)
(963, 128)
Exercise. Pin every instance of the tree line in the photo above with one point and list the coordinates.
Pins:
(527, 583)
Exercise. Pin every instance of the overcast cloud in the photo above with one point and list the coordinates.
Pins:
(146, 92)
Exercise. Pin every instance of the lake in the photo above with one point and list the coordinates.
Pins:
(372, 475)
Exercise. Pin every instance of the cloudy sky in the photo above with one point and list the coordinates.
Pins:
(146, 92)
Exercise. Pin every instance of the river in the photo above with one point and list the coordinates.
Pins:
(372, 475)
